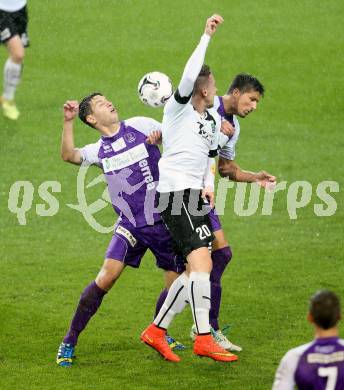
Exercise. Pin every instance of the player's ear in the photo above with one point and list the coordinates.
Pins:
(310, 318)
(236, 92)
(91, 119)
(204, 92)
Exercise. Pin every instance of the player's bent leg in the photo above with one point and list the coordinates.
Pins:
(175, 302)
(90, 301)
(170, 277)
(12, 76)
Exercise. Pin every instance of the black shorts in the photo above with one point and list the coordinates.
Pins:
(14, 23)
(186, 215)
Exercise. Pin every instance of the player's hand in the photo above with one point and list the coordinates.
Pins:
(266, 180)
(154, 138)
(227, 128)
(212, 23)
(209, 194)
(70, 110)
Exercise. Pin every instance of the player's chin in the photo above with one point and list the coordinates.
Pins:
(115, 117)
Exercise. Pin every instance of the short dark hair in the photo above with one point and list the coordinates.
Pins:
(85, 107)
(202, 79)
(245, 82)
(325, 309)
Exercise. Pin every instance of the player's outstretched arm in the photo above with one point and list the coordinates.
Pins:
(68, 151)
(230, 169)
(195, 62)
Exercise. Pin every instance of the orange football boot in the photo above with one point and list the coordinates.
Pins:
(155, 338)
(206, 346)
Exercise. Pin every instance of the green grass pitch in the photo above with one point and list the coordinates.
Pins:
(295, 48)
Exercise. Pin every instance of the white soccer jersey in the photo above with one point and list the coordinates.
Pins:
(187, 135)
(12, 5)
(89, 153)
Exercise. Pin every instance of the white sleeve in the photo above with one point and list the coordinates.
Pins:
(209, 177)
(193, 67)
(183, 93)
(227, 151)
(285, 374)
(284, 377)
(89, 153)
(143, 124)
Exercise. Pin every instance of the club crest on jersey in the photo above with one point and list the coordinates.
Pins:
(130, 137)
(204, 132)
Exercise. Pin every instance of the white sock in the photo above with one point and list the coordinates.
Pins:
(12, 75)
(199, 298)
(176, 300)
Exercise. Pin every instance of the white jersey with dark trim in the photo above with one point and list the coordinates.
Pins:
(187, 139)
(12, 5)
(187, 135)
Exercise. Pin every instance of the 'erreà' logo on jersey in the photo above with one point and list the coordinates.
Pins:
(147, 174)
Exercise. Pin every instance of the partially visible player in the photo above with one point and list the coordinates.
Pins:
(241, 99)
(13, 34)
(318, 365)
(130, 166)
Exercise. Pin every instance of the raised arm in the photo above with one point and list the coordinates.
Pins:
(194, 65)
(68, 152)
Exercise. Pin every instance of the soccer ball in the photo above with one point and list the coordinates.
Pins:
(154, 89)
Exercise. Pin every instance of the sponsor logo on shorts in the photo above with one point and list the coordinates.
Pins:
(125, 233)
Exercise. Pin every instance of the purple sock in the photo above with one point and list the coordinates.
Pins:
(221, 259)
(160, 301)
(90, 300)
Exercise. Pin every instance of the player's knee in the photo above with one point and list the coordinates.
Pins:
(18, 55)
(107, 277)
(219, 243)
(106, 280)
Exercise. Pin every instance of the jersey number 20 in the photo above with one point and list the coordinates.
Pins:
(203, 232)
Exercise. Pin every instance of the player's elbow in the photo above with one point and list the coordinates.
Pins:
(66, 157)
(223, 172)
